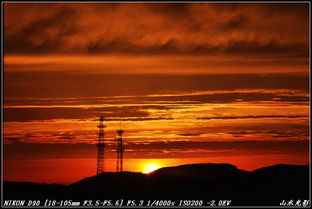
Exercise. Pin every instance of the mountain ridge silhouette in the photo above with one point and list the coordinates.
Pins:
(208, 181)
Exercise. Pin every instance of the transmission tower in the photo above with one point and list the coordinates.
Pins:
(119, 149)
(100, 146)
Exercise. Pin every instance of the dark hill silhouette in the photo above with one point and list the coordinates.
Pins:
(265, 186)
(204, 171)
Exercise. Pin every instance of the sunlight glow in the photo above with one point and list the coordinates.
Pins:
(150, 167)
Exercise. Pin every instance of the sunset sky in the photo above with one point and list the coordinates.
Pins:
(188, 82)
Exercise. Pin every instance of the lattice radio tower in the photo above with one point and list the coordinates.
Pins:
(119, 149)
(101, 146)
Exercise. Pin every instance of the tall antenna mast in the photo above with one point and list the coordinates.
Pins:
(100, 146)
(119, 149)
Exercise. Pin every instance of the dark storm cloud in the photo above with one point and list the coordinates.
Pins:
(33, 114)
(275, 133)
(172, 47)
(190, 135)
(42, 84)
(147, 102)
(128, 113)
(153, 29)
(252, 116)
(51, 29)
(44, 151)
(271, 47)
(12, 139)
(232, 97)
(66, 136)
(239, 145)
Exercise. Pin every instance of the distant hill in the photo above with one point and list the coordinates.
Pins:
(208, 171)
(265, 186)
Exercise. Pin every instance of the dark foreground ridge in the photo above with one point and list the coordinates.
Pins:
(267, 186)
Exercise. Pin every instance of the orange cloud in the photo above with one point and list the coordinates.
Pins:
(152, 29)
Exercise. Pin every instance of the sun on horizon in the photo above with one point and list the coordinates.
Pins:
(150, 167)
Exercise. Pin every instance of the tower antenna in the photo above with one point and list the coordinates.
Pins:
(120, 149)
(100, 145)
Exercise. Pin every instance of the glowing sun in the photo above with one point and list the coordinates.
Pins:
(150, 167)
